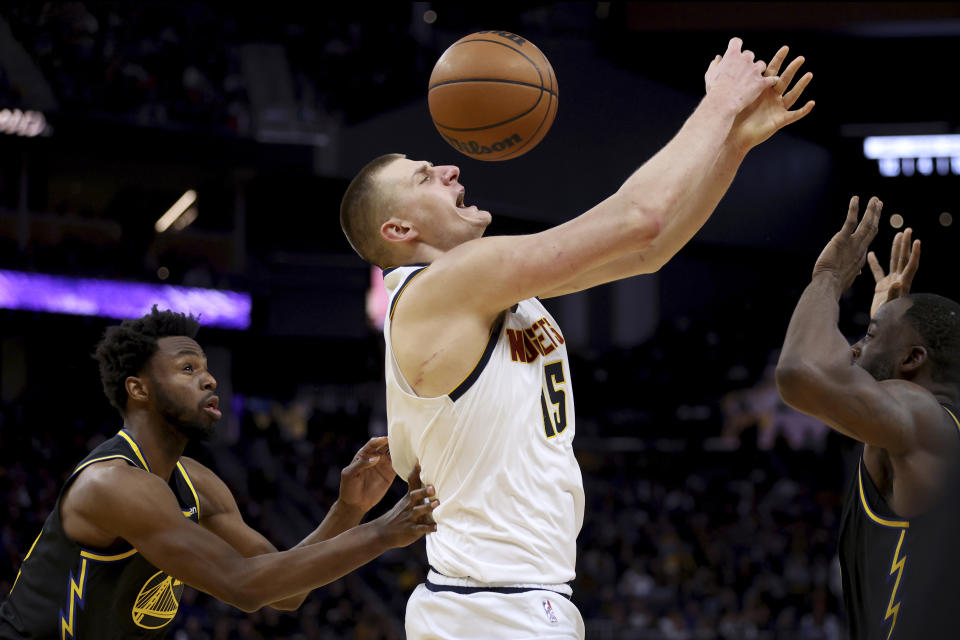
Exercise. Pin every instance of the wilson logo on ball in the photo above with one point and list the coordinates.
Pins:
(472, 147)
(493, 95)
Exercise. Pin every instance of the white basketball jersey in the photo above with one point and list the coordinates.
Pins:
(498, 449)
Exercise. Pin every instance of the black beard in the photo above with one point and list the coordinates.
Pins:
(189, 427)
(880, 370)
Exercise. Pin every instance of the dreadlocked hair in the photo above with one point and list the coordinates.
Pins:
(126, 348)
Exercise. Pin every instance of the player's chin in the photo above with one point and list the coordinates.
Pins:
(475, 216)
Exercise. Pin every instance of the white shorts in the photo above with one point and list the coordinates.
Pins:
(489, 615)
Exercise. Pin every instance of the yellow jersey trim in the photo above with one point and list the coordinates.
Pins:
(957, 422)
(896, 565)
(25, 558)
(901, 524)
(133, 445)
(104, 458)
(189, 482)
(74, 595)
(99, 557)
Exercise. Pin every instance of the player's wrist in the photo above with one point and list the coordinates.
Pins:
(347, 511)
(828, 281)
(723, 102)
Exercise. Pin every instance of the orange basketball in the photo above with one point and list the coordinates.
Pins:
(493, 95)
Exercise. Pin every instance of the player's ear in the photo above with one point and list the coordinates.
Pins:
(398, 230)
(136, 388)
(914, 359)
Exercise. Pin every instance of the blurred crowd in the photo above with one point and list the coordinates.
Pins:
(182, 65)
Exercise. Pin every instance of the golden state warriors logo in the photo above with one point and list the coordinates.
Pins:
(158, 601)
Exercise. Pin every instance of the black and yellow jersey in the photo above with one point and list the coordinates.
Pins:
(897, 582)
(67, 591)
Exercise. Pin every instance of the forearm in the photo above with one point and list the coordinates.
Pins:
(814, 348)
(287, 576)
(688, 177)
(339, 518)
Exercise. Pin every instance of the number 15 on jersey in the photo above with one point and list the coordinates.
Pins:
(553, 400)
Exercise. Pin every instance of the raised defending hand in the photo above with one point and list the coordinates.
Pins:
(366, 479)
(844, 255)
(411, 518)
(904, 260)
(770, 112)
(736, 78)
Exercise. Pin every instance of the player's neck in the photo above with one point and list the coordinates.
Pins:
(424, 254)
(160, 444)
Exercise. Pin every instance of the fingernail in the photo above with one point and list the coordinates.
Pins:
(373, 459)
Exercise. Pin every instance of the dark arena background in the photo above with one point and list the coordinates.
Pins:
(712, 508)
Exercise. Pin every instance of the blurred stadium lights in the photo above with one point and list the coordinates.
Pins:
(377, 299)
(114, 299)
(28, 124)
(186, 219)
(906, 155)
(179, 208)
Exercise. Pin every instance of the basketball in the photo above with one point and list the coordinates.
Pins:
(493, 95)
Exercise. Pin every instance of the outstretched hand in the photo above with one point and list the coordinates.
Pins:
(736, 77)
(366, 479)
(843, 257)
(770, 111)
(904, 260)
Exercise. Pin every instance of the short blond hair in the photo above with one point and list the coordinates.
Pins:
(363, 211)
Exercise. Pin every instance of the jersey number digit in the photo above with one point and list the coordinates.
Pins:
(554, 411)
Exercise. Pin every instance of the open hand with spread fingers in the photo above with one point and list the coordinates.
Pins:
(770, 111)
(843, 257)
(736, 78)
(904, 260)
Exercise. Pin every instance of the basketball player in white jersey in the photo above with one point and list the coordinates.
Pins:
(478, 380)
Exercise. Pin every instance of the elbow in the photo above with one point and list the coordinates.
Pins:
(645, 214)
(246, 602)
(250, 599)
(795, 379)
(290, 604)
(243, 597)
(645, 223)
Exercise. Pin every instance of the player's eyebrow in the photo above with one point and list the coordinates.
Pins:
(422, 170)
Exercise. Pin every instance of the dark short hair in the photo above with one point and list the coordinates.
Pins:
(937, 320)
(126, 348)
(362, 212)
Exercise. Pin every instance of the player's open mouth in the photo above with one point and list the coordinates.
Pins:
(460, 199)
(212, 407)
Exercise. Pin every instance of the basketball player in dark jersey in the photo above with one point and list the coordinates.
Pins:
(136, 520)
(895, 391)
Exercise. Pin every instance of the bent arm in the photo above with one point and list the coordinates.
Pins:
(816, 375)
(657, 209)
(139, 508)
(684, 219)
(221, 516)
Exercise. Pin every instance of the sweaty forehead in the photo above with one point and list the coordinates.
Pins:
(172, 346)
